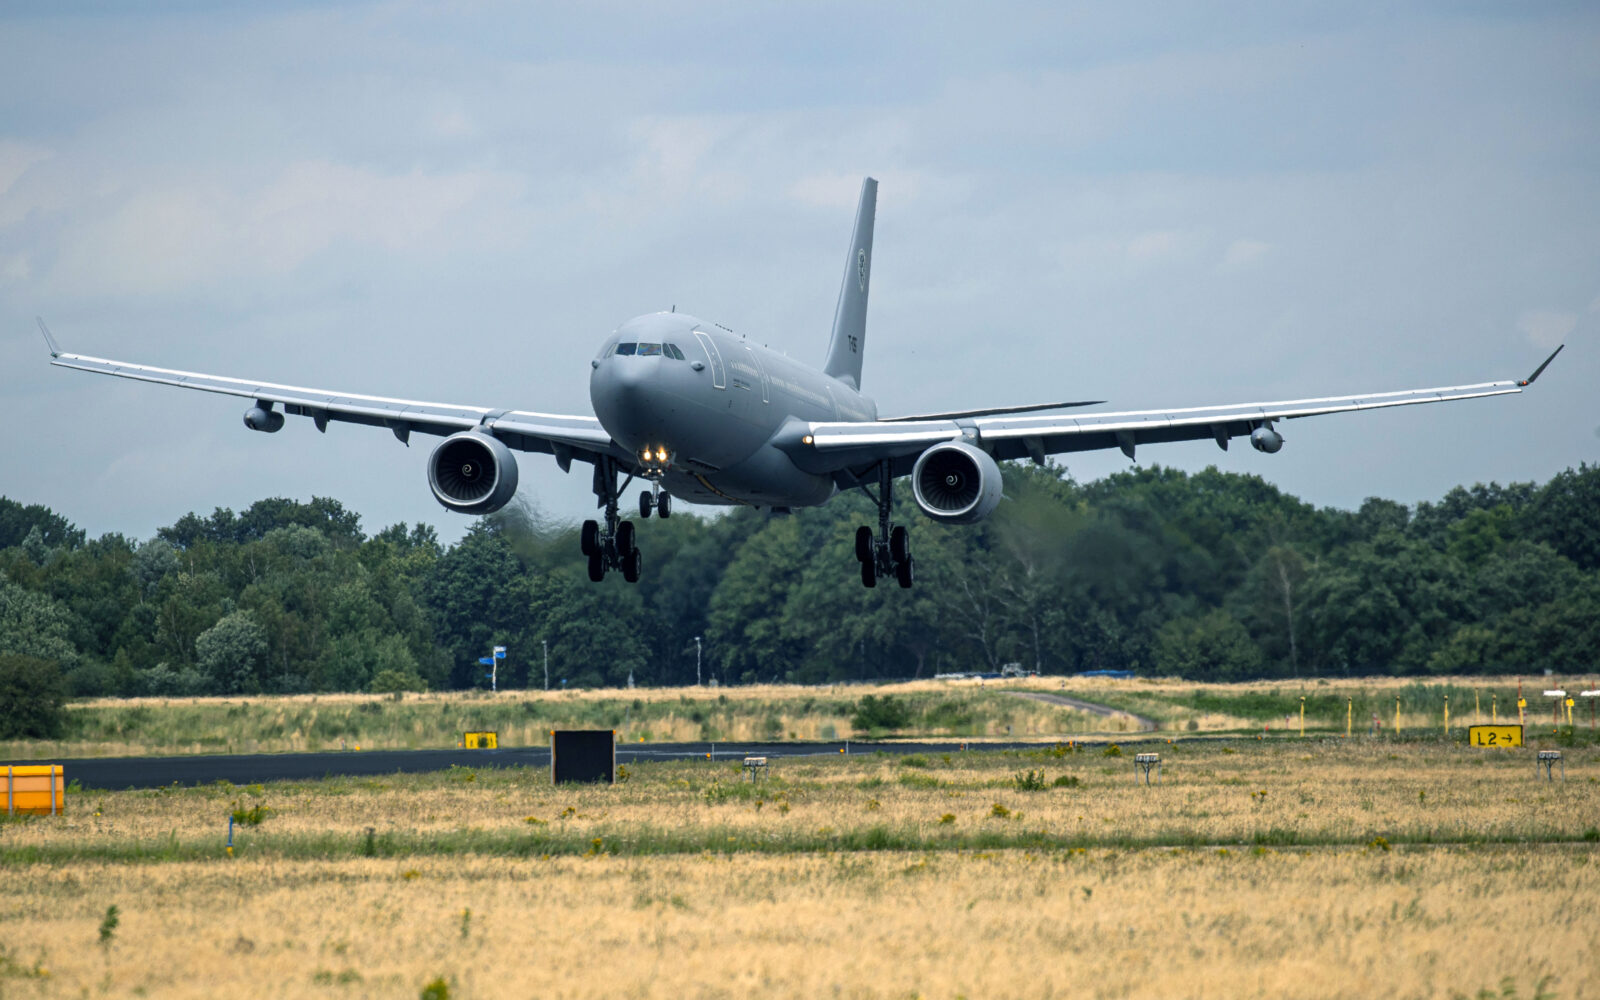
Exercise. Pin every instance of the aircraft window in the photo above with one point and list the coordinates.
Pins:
(626, 349)
(673, 352)
(649, 350)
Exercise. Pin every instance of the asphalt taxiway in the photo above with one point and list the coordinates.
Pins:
(246, 769)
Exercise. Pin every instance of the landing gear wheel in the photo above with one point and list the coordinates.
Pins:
(589, 538)
(903, 574)
(664, 505)
(625, 547)
(597, 566)
(869, 574)
(900, 545)
(631, 564)
(864, 546)
(646, 504)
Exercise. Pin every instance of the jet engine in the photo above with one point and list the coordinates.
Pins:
(472, 473)
(1264, 438)
(956, 482)
(263, 418)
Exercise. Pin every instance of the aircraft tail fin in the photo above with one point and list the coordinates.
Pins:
(850, 316)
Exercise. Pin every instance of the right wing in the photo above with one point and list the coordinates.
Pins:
(840, 447)
(566, 437)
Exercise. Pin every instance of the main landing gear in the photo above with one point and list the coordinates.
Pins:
(889, 554)
(613, 546)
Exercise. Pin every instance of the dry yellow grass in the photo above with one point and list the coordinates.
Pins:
(686, 882)
(1357, 923)
(1319, 791)
(298, 723)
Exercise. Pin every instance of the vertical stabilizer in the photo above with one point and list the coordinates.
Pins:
(850, 316)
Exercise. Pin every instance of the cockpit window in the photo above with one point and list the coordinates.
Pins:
(649, 350)
(673, 352)
(626, 349)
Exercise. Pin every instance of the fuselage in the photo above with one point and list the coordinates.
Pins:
(700, 406)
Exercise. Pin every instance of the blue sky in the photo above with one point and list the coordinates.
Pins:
(1151, 204)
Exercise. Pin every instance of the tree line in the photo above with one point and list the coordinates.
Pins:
(1213, 576)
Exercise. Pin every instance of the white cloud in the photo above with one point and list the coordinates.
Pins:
(166, 237)
(1547, 328)
(1243, 253)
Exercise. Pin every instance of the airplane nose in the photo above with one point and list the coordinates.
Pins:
(620, 391)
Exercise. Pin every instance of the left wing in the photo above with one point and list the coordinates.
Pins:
(566, 437)
(829, 447)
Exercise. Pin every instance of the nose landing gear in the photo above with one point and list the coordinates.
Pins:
(612, 547)
(889, 554)
(657, 501)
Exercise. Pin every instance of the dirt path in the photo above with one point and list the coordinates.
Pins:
(1144, 724)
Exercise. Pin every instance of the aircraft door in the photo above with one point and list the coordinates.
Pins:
(719, 376)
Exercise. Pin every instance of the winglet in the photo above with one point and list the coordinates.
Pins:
(55, 349)
(1540, 370)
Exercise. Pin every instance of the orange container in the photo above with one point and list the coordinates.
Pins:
(35, 788)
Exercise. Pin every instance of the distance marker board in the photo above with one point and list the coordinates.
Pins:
(1494, 736)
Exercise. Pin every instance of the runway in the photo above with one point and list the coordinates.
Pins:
(113, 773)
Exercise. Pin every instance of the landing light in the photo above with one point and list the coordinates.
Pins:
(806, 440)
(661, 454)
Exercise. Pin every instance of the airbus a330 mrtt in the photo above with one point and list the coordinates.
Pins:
(704, 415)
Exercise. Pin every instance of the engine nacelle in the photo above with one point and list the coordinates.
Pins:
(472, 473)
(1266, 439)
(259, 418)
(956, 482)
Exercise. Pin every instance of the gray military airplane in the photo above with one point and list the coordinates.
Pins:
(704, 415)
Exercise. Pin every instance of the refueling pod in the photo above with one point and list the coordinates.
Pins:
(1264, 438)
(472, 473)
(956, 483)
(263, 418)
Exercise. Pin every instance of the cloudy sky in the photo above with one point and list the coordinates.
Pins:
(1152, 204)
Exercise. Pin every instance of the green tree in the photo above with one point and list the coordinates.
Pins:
(230, 653)
(1214, 647)
(32, 696)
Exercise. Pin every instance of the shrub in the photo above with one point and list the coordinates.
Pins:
(1066, 781)
(1111, 751)
(886, 713)
(1032, 781)
(32, 692)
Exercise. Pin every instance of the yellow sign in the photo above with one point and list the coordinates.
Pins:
(1522, 703)
(481, 741)
(1494, 736)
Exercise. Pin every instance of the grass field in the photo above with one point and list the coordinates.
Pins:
(114, 727)
(1322, 868)
(765, 712)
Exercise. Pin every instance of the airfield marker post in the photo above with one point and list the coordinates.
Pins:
(1397, 715)
(1447, 715)
(230, 835)
(1146, 761)
(1302, 716)
(1494, 708)
(1548, 760)
(1590, 696)
(1349, 715)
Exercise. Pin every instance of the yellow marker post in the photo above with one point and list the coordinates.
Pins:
(1522, 703)
(1397, 715)
(1447, 715)
(1494, 708)
(1349, 709)
(1302, 716)
(1569, 713)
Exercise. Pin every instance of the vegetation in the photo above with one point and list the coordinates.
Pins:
(1210, 577)
(1283, 859)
